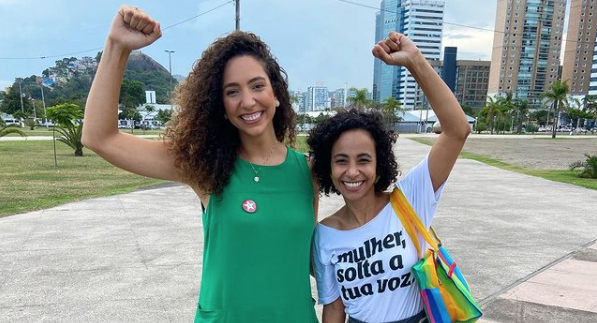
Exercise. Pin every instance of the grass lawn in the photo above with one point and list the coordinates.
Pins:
(30, 181)
(563, 176)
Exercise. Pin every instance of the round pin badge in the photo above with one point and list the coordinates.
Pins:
(249, 206)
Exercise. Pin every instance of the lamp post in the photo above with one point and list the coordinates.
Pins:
(169, 60)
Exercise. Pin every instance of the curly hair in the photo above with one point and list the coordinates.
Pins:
(323, 136)
(204, 144)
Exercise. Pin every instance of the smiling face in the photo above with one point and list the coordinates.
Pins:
(249, 99)
(353, 165)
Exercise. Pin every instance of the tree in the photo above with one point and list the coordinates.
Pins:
(12, 101)
(164, 116)
(521, 110)
(490, 111)
(132, 94)
(389, 108)
(7, 130)
(539, 116)
(72, 137)
(67, 117)
(149, 109)
(590, 105)
(359, 99)
(557, 95)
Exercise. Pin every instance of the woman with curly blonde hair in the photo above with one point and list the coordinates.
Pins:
(227, 142)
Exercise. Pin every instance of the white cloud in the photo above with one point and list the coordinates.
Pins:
(471, 43)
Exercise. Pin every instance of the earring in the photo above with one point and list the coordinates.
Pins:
(277, 103)
(225, 117)
(377, 179)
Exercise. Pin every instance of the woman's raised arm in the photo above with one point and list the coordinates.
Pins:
(131, 29)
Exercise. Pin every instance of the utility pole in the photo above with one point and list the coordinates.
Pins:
(21, 94)
(43, 101)
(237, 14)
(169, 60)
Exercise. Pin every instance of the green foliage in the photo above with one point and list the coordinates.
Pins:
(493, 109)
(320, 118)
(501, 125)
(531, 128)
(539, 116)
(72, 137)
(557, 96)
(165, 115)
(589, 166)
(359, 99)
(20, 115)
(389, 109)
(7, 130)
(31, 123)
(12, 101)
(75, 90)
(158, 81)
(481, 126)
(132, 94)
(65, 115)
(520, 112)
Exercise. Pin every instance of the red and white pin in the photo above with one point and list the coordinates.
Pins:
(249, 206)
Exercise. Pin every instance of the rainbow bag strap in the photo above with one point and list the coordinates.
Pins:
(411, 222)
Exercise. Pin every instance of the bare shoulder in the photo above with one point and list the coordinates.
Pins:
(335, 221)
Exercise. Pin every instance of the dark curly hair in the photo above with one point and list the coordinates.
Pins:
(324, 135)
(203, 143)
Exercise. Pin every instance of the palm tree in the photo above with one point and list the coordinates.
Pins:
(491, 110)
(72, 137)
(7, 130)
(590, 105)
(521, 109)
(389, 108)
(359, 100)
(557, 95)
(589, 166)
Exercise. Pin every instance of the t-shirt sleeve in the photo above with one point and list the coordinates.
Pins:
(327, 288)
(418, 190)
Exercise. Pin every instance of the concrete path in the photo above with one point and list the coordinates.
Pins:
(526, 245)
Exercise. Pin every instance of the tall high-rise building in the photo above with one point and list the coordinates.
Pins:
(422, 22)
(317, 98)
(526, 47)
(593, 80)
(339, 98)
(449, 67)
(580, 46)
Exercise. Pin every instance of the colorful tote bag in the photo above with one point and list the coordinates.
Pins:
(445, 292)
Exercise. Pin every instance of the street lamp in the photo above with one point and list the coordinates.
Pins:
(169, 60)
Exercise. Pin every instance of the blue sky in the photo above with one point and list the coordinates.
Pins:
(325, 41)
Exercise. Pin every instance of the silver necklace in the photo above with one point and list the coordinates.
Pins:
(256, 171)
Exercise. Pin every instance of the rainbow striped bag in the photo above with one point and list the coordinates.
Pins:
(445, 292)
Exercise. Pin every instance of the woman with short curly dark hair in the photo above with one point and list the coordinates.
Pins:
(227, 141)
(362, 253)
(324, 135)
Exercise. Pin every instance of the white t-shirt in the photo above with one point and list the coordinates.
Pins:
(369, 267)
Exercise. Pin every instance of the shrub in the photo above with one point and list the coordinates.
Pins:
(589, 166)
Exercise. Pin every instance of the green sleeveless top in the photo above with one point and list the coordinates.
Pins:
(257, 240)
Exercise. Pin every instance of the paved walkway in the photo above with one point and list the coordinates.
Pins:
(527, 246)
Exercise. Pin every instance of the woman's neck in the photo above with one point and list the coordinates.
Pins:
(260, 150)
(365, 209)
